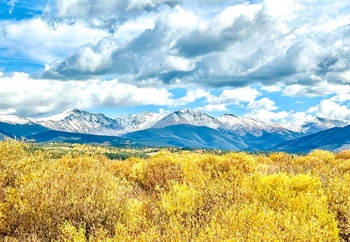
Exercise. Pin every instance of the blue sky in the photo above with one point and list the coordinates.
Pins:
(274, 60)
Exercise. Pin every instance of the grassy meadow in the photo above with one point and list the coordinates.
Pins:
(96, 193)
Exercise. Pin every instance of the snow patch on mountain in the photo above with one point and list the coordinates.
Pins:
(310, 125)
(244, 125)
(60, 116)
(13, 119)
(191, 117)
(74, 120)
(135, 122)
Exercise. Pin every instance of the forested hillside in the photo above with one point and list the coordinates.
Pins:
(77, 193)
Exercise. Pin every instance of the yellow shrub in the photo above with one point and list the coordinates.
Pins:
(77, 190)
(180, 199)
(345, 154)
(187, 196)
(324, 155)
(158, 171)
(70, 233)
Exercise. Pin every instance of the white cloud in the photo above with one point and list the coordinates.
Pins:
(227, 18)
(132, 28)
(25, 96)
(44, 42)
(214, 108)
(228, 97)
(273, 88)
(191, 96)
(89, 59)
(297, 47)
(263, 104)
(341, 97)
(330, 109)
(103, 9)
(318, 89)
(261, 114)
(232, 45)
(234, 96)
(178, 63)
(263, 109)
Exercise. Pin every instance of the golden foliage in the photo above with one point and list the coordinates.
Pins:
(81, 195)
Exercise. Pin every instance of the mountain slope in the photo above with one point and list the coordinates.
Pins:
(333, 139)
(13, 119)
(187, 136)
(135, 122)
(310, 125)
(78, 121)
(59, 136)
(20, 130)
(188, 116)
(246, 125)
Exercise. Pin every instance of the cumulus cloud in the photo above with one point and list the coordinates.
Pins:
(45, 42)
(234, 96)
(191, 96)
(320, 88)
(89, 60)
(236, 45)
(118, 9)
(24, 96)
(269, 115)
(263, 103)
(214, 108)
(265, 109)
(298, 48)
(330, 109)
(146, 56)
(228, 97)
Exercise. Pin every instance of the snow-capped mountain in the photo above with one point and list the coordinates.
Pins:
(183, 128)
(77, 121)
(244, 125)
(17, 127)
(13, 119)
(135, 122)
(310, 125)
(189, 116)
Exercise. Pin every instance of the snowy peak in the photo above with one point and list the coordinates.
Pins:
(13, 119)
(78, 121)
(189, 116)
(75, 120)
(61, 116)
(134, 122)
(310, 125)
(244, 125)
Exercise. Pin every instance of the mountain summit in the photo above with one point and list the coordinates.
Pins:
(310, 125)
(77, 121)
(191, 117)
(183, 128)
(246, 125)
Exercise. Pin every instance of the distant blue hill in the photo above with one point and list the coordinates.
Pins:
(333, 139)
(59, 136)
(20, 130)
(188, 136)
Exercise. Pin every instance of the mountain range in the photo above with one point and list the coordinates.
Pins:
(183, 128)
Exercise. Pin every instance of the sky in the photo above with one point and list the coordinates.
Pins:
(268, 59)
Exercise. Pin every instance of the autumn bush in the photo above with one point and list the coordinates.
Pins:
(84, 195)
